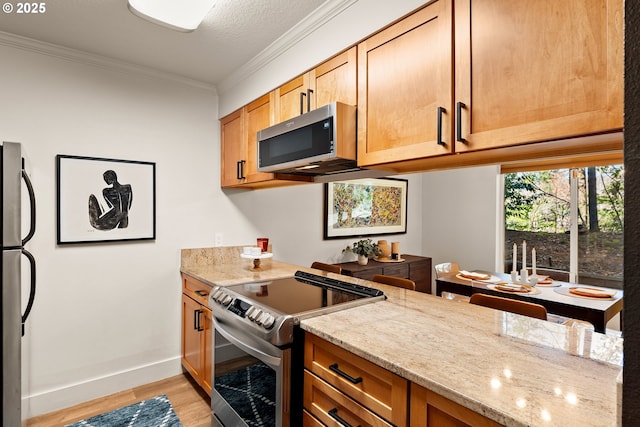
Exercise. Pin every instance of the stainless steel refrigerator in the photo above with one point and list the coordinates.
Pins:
(13, 319)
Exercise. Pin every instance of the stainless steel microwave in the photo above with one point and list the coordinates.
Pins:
(318, 142)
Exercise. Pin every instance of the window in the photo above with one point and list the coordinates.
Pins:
(572, 217)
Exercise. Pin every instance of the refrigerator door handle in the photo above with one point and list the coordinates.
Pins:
(32, 290)
(32, 204)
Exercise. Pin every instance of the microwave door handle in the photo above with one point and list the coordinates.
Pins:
(32, 204)
(266, 358)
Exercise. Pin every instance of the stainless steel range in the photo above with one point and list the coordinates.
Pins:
(260, 384)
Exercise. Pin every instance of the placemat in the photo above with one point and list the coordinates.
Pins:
(565, 290)
(529, 290)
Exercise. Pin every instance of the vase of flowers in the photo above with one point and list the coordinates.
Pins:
(364, 248)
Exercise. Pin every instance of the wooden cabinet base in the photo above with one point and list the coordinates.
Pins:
(429, 409)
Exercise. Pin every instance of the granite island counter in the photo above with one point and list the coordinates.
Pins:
(511, 369)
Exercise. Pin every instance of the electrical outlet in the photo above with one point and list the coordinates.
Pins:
(218, 239)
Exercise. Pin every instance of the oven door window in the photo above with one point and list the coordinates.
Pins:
(251, 391)
(247, 383)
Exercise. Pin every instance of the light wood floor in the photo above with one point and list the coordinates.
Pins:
(192, 405)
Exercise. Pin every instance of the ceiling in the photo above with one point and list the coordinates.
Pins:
(233, 33)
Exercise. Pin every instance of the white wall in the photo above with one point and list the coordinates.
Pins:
(292, 218)
(459, 216)
(107, 316)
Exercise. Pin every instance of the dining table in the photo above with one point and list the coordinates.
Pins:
(559, 298)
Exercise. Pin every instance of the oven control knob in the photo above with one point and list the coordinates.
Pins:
(216, 294)
(220, 297)
(261, 317)
(268, 321)
(249, 312)
(254, 315)
(227, 300)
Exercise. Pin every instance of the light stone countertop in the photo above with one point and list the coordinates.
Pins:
(510, 368)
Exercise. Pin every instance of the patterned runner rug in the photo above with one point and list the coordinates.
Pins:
(154, 412)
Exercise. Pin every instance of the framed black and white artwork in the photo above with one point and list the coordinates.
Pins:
(105, 200)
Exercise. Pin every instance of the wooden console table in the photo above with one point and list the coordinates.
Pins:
(416, 268)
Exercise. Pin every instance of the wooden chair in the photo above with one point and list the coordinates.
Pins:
(395, 281)
(446, 269)
(331, 268)
(511, 305)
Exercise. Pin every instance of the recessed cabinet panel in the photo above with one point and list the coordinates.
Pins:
(258, 115)
(335, 80)
(541, 70)
(233, 150)
(405, 88)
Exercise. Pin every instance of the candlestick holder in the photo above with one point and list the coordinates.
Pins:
(524, 275)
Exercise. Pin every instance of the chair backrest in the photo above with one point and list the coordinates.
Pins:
(446, 269)
(331, 268)
(395, 281)
(511, 305)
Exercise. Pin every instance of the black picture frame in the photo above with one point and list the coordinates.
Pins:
(104, 200)
(365, 207)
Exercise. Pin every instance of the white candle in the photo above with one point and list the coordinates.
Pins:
(524, 254)
(515, 258)
(533, 261)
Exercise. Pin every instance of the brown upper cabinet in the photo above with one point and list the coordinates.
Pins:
(537, 70)
(405, 88)
(239, 147)
(522, 72)
(334, 80)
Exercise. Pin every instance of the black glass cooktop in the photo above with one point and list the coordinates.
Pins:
(303, 292)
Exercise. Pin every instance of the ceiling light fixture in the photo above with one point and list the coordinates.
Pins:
(178, 15)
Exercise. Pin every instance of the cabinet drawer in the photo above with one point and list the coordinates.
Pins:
(309, 420)
(329, 405)
(382, 391)
(397, 270)
(367, 274)
(196, 289)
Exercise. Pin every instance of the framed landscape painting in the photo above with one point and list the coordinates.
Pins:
(365, 207)
(105, 200)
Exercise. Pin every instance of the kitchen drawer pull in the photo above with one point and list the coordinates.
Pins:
(459, 106)
(337, 370)
(197, 314)
(333, 413)
(240, 169)
(202, 293)
(441, 111)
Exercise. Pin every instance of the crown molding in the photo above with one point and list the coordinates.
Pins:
(323, 14)
(86, 58)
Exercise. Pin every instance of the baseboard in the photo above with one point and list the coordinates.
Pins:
(64, 397)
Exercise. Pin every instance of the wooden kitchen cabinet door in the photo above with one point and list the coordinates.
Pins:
(233, 149)
(332, 81)
(335, 80)
(429, 409)
(537, 70)
(405, 88)
(191, 339)
(292, 98)
(258, 115)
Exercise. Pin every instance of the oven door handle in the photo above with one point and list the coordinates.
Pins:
(266, 358)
